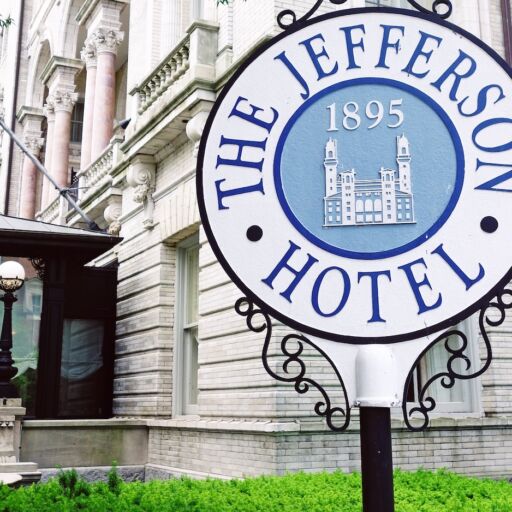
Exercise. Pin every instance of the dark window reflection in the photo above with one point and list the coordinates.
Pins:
(26, 320)
(81, 373)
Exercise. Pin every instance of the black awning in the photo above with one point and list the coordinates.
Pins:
(30, 238)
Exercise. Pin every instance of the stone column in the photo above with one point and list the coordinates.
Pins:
(106, 42)
(29, 179)
(63, 101)
(47, 186)
(89, 57)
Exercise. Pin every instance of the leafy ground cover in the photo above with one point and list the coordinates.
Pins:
(420, 491)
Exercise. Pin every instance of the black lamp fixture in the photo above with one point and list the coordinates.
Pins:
(12, 277)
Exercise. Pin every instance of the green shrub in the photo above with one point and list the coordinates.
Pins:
(421, 491)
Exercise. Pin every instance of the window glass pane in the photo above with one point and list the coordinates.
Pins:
(190, 368)
(26, 320)
(187, 371)
(81, 375)
(192, 285)
(77, 121)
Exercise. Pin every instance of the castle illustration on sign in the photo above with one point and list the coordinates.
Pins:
(351, 202)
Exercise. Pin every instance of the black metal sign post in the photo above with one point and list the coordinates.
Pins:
(240, 232)
(376, 459)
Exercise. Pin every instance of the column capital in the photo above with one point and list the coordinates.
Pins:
(89, 55)
(106, 40)
(34, 144)
(62, 100)
(49, 110)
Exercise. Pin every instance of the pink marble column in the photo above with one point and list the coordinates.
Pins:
(106, 42)
(89, 57)
(64, 102)
(47, 186)
(29, 179)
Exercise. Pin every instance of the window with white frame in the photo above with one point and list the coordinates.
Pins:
(463, 396)
(187, 298)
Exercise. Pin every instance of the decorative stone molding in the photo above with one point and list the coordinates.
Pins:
(106, 40)
(49, 110)
(63, 100)
(88, 54)
(112, 214)
(141, 177)
(195, 128)
(34, 144)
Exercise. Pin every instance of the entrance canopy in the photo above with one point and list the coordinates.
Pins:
(22, 237)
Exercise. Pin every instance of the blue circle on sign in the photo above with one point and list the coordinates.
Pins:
(369, 168)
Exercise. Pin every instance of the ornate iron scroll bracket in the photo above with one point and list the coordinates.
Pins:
(491, 315)
(294, 367)
(288, 18)
(39, 266)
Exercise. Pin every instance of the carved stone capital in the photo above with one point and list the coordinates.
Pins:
(34, 144)
(63, 100)
(49, 109)
(112, 214)
(106, 40)
(89, 55)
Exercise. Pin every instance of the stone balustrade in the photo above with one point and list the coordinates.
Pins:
(170, 70)
(189, 66)
(98, 174)
(51, 213)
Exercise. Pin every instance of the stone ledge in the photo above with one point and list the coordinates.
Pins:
(194, 423)
(107, 423)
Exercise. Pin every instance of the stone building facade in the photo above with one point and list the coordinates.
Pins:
(113, 96)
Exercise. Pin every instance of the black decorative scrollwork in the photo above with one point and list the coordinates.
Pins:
(292, 347)
(39, 266)
(288, 18)
(437, 7)
(292, 16)
(491, 315)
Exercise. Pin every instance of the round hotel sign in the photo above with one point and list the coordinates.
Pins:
(355, 176)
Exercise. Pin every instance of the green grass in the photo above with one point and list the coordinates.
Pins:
(421, 491)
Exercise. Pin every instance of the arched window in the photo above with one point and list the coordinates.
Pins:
(368, 205)
(359, 205)
(377, 205)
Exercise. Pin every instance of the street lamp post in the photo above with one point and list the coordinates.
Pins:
(12, 277)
